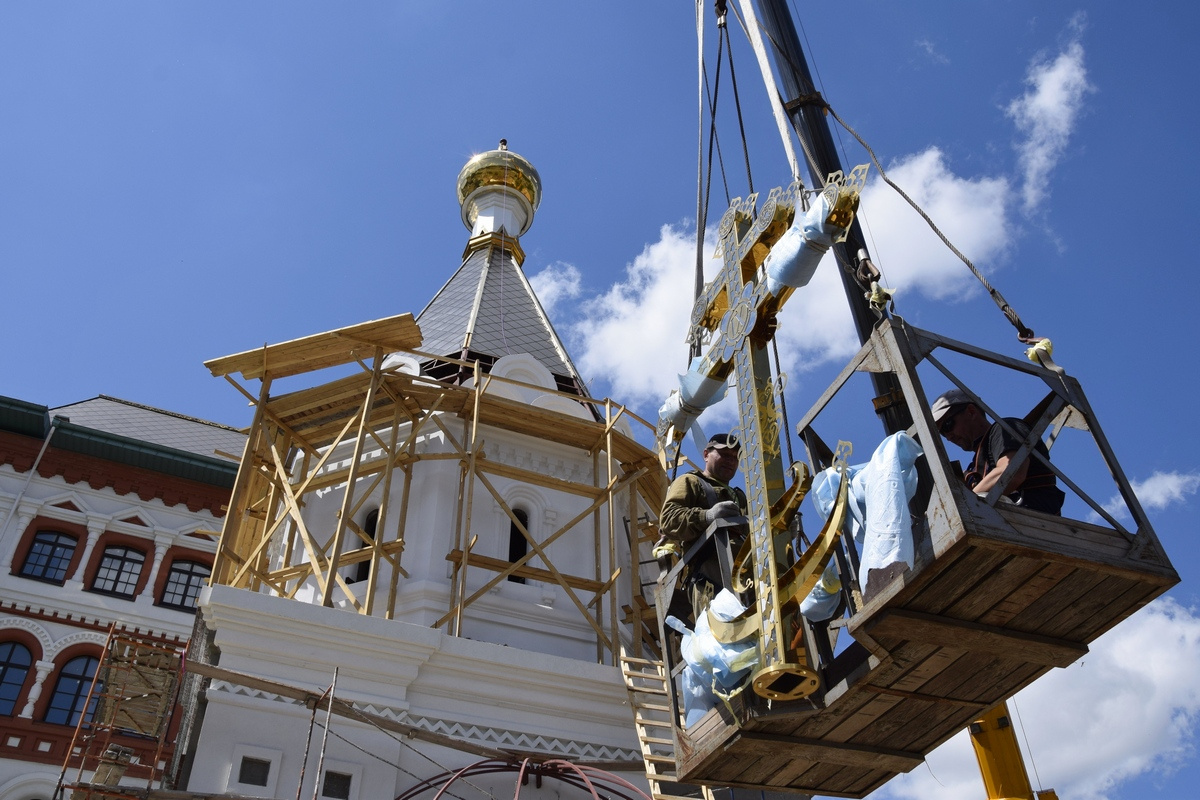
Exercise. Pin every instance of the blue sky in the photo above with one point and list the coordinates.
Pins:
(181, 181)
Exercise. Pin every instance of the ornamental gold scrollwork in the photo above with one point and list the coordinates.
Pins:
(772, 421)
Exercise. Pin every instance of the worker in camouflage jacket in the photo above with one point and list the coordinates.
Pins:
(694, 501)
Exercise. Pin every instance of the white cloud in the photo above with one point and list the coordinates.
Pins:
(632, 336)
(1046, 115)
(1129, 708)
(1158, 491)
(932, 52)
(558, 281)
(972, 212)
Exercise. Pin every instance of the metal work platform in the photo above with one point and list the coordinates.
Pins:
(997, 597)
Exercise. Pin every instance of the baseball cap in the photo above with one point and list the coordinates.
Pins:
(723, 441)
(947, 401)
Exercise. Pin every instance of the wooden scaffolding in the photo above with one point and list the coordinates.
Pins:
(124, 729)
(353, 434)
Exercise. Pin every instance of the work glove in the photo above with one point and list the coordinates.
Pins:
(725, 508)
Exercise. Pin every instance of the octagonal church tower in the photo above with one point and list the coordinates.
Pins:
(447, 541)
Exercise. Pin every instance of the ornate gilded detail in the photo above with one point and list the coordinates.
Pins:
(500, 168)
(738, 308)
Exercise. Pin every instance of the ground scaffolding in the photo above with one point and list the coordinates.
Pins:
(131, 698)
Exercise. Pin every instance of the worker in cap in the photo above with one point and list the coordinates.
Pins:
(963, 423)
(694, 501)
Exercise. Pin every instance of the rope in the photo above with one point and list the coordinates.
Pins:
(1028, 749)
(714, 139)
(694, 350)
(812, 161)
(820, 86)
(1024, 333)
(738, 103)
(366, 718)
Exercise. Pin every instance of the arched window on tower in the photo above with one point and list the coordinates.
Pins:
(71, 691)
(362, 570)
(518, 545)
(14, 667)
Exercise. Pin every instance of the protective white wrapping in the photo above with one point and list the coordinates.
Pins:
(696, 393)
(700, 390)
(711, 665)
(674, 412)
(878, 520)
(794, 258)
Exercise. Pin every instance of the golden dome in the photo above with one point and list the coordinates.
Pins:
(500, 168)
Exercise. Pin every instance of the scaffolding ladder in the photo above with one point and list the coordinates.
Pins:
(646, 682)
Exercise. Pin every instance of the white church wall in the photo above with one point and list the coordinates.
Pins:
(534, 614)
(494, 695)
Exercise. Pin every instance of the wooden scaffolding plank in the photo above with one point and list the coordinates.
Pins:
(321, 350)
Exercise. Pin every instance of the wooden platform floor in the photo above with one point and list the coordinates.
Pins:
(985, 611)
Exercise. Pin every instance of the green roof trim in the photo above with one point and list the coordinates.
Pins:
(27, 419)
(30, 419)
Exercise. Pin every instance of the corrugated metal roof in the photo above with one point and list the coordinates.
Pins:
(154, 425)
(504, 318)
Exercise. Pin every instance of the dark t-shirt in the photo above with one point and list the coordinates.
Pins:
(1039, 490)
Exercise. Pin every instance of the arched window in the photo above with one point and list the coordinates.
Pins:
(362, 570)
(71, 691)
(120, 568)
(184, 582)
(49, 557)
(518, 545)
(14, 666)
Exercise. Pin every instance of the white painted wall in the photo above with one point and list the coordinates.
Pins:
(491, 694)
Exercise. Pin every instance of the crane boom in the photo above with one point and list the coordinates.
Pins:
(805, 108)
(999, 756)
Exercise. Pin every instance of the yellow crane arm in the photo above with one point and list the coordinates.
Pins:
(999, 756)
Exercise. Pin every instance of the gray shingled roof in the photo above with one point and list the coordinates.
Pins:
(153, 425)
(509, 318)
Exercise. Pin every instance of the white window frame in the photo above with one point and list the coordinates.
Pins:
(234, 786)
(346, 768)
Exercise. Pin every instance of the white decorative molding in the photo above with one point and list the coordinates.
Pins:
(71, 639)
(50, 506)
(30, 786)
(30, 626)
(95, 527)
(43, 668)
(478, 734)
(575, 470)
(162, 540)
